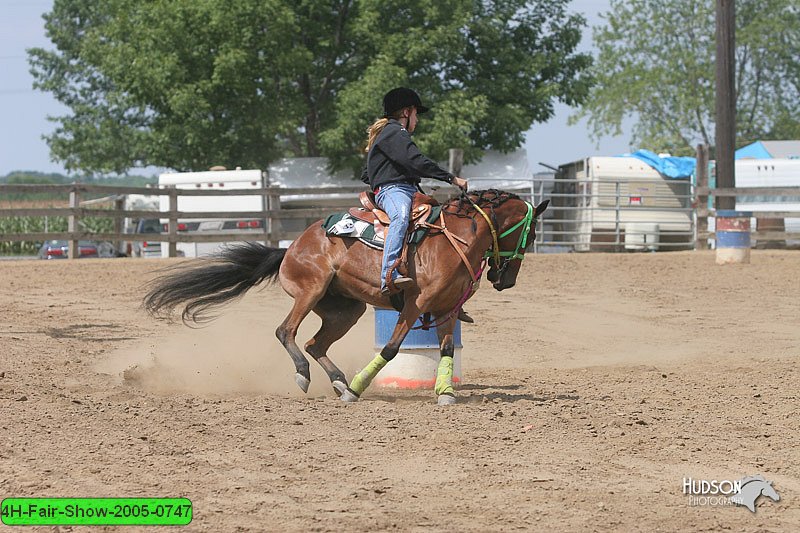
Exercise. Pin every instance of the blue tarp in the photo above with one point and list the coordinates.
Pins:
(671, 167)
(753, 151)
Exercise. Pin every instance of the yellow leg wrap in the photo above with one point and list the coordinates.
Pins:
(444, 376)
(362, 380)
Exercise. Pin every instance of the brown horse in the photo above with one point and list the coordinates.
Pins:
(337, 277)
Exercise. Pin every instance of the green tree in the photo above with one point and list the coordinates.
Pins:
(656, 64)
(190, 83)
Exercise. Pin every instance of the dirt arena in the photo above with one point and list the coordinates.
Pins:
(591, 390)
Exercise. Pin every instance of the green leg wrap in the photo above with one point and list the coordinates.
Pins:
(444, 376)
(362, 380)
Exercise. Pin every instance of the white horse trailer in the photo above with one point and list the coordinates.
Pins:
(616, 203)
(770, 173)
(222, 180)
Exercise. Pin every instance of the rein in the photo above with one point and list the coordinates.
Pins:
(425, 319)
(494, 253)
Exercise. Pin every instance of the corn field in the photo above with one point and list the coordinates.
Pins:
(42, 225)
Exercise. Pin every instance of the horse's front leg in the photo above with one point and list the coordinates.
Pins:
(362, 380)
(444, 373)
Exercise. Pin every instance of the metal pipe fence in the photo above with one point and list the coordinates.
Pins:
(592, 217)
(616, 215)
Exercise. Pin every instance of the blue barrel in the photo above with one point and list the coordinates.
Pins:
(733, 236)
(386, 320)
(414, 366)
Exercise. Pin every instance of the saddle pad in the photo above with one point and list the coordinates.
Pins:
(361, 230)
(366, 232)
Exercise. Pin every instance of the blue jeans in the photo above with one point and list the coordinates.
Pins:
(395, 199)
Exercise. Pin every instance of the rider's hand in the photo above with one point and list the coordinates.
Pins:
(461, 183)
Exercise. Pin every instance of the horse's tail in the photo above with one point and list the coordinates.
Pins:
(207, 283)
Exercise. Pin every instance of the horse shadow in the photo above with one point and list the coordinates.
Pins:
(483, 393)
(476, 394)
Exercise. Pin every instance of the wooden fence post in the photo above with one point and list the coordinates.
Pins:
(701, 201)
(73, 222)
(172, 229)
(273, 222)
(119, 205)
(456, 161)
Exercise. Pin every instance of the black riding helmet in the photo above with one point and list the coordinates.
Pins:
(401, 97)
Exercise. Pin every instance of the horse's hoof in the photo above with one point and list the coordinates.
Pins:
(446, 399)
(302, 381)
(348, 396)
(339, 387)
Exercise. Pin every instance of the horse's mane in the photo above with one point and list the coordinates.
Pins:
(490, 198)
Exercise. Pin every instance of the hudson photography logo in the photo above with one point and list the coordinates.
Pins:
(727, 492)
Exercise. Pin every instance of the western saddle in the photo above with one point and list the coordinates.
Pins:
(421, 207)
(370, 212)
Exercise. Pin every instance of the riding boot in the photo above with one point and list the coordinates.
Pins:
(402, 283)
(464, 317)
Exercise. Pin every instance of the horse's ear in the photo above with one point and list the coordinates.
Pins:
(541, 207)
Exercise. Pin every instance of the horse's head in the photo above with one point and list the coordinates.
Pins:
(516, 221)
(769, 491)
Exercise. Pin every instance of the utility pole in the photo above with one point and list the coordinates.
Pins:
(701, 172)
(725, 134)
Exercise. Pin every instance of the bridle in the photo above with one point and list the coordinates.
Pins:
(494, 252)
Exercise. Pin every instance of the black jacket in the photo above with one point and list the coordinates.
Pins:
(394, 158)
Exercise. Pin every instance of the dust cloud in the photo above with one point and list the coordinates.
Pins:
(235, 354)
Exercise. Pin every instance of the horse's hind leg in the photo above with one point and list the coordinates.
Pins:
(287, 332)
(338, 316)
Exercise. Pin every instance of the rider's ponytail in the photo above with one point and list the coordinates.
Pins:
(374, 130)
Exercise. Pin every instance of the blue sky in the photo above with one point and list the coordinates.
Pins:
(24, 111)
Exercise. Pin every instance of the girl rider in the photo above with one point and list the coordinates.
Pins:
(393, 171)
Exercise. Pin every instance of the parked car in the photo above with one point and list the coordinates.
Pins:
(57, 249)
(147, 248)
